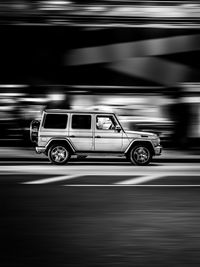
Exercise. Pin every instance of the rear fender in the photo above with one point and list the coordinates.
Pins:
(65, 142)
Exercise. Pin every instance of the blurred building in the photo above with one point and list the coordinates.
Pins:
(139, 59)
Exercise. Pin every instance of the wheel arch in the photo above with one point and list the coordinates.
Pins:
(146, 143)
(64, 141)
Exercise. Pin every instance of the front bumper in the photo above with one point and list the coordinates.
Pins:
(158, 150)
(40, 149)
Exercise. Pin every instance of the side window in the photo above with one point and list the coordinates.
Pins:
(81, 122)
(55, 121)
(105, 122)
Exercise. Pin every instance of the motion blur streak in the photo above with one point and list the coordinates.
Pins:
(154, 69)
(117, 52)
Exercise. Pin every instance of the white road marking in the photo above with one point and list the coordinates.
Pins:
(140, 180)
(132, 185)
(66, 177)
(53, 179)
(147, 178)
(123, 172)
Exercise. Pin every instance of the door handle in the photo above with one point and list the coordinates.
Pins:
(98, 136)
(72, 136)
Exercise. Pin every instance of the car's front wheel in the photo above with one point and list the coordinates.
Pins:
(140, 155)
(59, 154)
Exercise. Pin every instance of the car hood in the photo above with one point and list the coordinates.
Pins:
(136, 134)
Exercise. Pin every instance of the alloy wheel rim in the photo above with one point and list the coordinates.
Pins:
(59, 154)
(141, 155)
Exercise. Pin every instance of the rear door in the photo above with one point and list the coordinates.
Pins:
(80, 132)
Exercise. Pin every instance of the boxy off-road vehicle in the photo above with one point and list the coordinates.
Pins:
(62, 133)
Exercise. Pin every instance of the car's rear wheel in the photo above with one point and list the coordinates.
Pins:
(59, 154)
(140, 155)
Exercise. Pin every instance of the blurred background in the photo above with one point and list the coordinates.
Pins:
(139, 59)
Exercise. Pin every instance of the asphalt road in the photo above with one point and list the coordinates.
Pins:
(99, 214)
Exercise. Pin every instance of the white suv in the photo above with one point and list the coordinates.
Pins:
(62, 133)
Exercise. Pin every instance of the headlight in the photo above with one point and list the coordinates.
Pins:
(156, 142)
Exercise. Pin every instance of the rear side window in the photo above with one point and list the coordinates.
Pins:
(81, 122)
(55, 121)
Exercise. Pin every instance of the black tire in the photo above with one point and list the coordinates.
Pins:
(34, 128)
(59, 154)
(140, 155)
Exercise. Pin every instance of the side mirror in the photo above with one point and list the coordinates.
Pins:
(118, 128)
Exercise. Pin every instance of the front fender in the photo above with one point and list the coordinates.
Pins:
(133, 143)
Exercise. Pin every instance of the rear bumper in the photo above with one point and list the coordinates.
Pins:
(158, 150)
(40, 149)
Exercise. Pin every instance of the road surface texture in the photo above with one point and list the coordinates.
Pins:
(99, 213)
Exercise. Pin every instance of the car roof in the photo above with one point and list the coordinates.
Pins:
(59, 111)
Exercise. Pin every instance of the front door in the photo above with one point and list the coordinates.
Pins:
(107, 137)
(80, 132)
